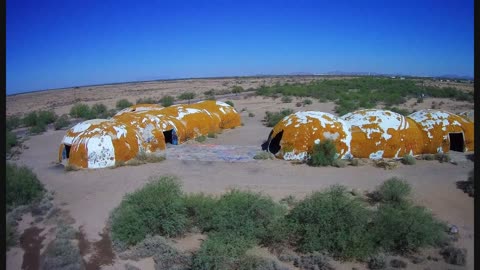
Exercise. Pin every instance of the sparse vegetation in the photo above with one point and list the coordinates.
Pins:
(409, 160)
(122, 104)
(272, 118)
(11, 141)
(201, 139)
(428, 157)
(442, 157)
(157, 208)
(187, 96)
(236, 89)
(22, 186)
(13, 122)
(211, 135)
(323, 154)
(167, 101)
(148, 100)
(263, 155)
(61, 122)
(339, 163)
(251, 114)
(287, 99)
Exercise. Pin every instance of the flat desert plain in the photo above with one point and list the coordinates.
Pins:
(85, 198)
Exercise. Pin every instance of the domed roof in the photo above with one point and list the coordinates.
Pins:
(296, 134)
(383, 133)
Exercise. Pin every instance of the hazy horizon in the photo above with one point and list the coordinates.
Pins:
(53, 44)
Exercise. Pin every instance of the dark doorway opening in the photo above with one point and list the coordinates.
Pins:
(274, 145)
(456, 142)
(168, 136)
(265, 143)
(67, 151)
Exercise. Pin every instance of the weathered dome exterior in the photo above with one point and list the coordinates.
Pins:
(294, 136)
(146, 127)
(380, 134)
(99, 143)
(371, 133)
(443, 130)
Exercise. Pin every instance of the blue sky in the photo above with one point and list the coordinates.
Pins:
(53, 44)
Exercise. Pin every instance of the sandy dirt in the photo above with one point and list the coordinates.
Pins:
(90, 195)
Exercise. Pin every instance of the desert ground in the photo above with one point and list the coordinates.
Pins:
(85, 198)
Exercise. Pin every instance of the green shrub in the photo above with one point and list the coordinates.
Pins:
(201, 138)
(38, 128)
(212, 135)
(199, 209)
(272, 118)
(80, 110)
(307, 101)
(12, 122)
(251, 114)
(299, 104)
(246, 213)
(404, 228)
(22, 186)
(61, 122)
(409, 160)
(263, 155)
(221, 251)
(394, 190)
(10, 235)
(236, 89)
(30, 119)
(287, 99)
(167, 101)
(229, 102)
(46, 117)
(333, 221)
(98, 110)
(187, 96)
(148, 100)
(157, 208)
(323, 154)
(122, 104)
(11, 141)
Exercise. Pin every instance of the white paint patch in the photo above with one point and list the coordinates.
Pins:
(376, 155)
(439, 149)
(331, 136)
(383, 120)
(101, 153)
(317, 141)
(121, 131)
(293, 156)
(398, 151)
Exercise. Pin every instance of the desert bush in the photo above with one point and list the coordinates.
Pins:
(30, 119)
(62, 254)
(377, 261)
(272, 118)
(10, 235)
(148, 100)
(11, 141)
(251, 114)
(246, 213)
(333, 221)
(404, 227)
(12, 122)
(157, 208)
(409, 160)
(394, 190)
(299, 104)
(167, 101)
(80, 110)
(287, 99)
(263, 155)
(199, 209)
(307, 101)
(200, 138)
(98, 110)
(442, 157)
(236, 89)
(221, 251)
(22, 186)
(123, 103)
(38, 128)
(61, 122)
(211, 135)
(46, 117)
(420, 100)
(354, 162)
(323, 154)
(149, 157)
(428, 157)
(339, 163)
(187, 96)
(229, 102)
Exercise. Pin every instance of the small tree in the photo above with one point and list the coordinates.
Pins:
(187, 96)
(237, 89)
